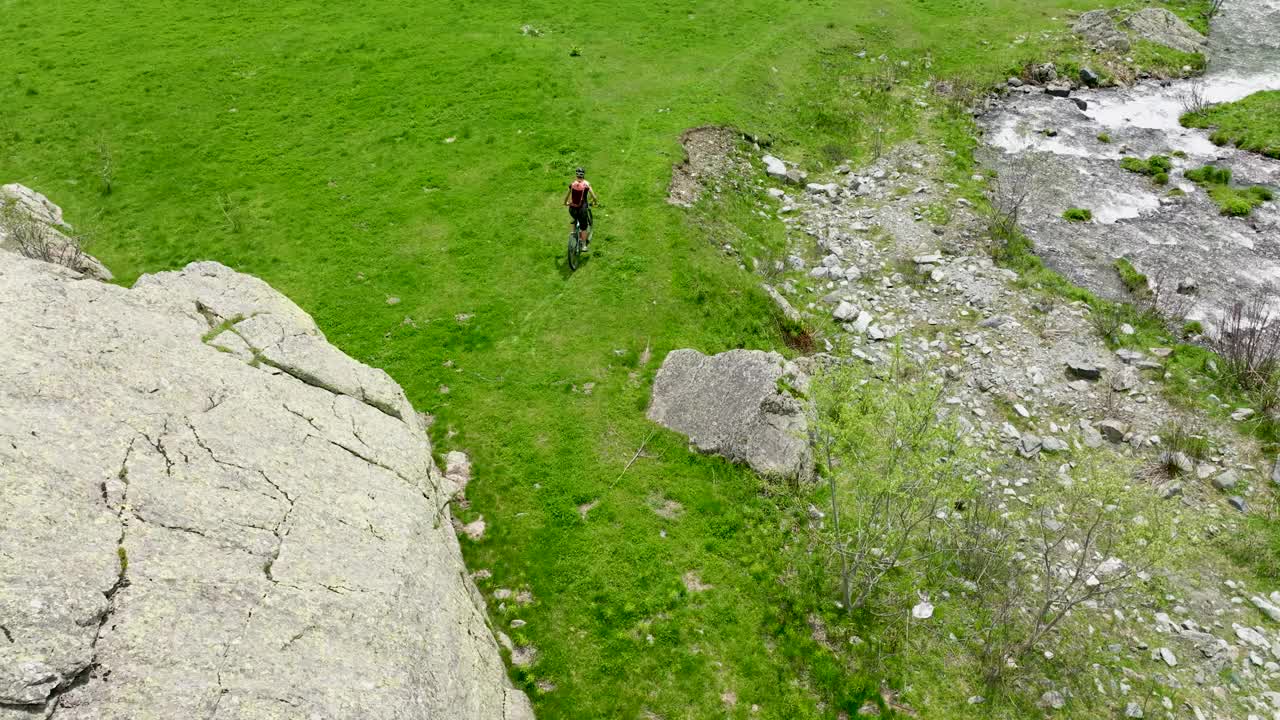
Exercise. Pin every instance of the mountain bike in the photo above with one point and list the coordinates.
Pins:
(576, 244)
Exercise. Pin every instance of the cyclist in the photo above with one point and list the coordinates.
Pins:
(576, 199)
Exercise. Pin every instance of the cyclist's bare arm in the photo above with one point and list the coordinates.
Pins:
(592, 192)
(568, 193)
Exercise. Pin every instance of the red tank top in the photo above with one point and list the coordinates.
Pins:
(578, 192)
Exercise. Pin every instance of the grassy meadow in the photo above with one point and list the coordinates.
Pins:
(397, 169)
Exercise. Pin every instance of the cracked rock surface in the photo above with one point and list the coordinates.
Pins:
(213, 513)
(735, 404)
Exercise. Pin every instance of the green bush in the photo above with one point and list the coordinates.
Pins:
(1077, 215)
(1104, 138)
(1135, 281)
(1192, 328)
(1209, 175)
(1154, 166)
(1161, 178)
(1235, 206)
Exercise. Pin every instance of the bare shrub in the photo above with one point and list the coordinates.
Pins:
(1068, 557)
(1247, 341)
(35, 240)
(1192, 98)
(1011, 191)
(891, 467)
(1106, 319)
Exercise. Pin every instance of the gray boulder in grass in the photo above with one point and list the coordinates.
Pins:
(737, 405)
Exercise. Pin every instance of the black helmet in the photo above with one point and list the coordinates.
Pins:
(580, 172)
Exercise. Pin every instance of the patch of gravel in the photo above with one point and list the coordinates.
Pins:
(709, 155)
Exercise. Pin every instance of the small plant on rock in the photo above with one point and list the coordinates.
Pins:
(1077, 215)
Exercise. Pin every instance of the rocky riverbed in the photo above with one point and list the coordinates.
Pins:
(1065, 152)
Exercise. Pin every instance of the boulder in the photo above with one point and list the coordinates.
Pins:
(1099, 31)
(193, 535)
(774, 167)
(24, 211)
(1045, 73)
(1275, 474)
(1083, 367)
(1162, 27)
(845, 311)
(1227, 480)
(1089, 77)
(1058, 89)
(1113, 430)
(736, 405)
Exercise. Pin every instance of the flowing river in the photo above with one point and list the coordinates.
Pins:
(1060, 153)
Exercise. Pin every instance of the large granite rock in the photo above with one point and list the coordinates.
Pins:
(190, 532)
(46, 232)
(1162, 27)
(1099, 30)
(737, 404)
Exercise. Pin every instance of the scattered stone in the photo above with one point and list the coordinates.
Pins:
(1226, 481)
(1089, 77)
(1058, 89)
(1044, 73)
(393, 300)
(1113, 430)
(1053, 700)
(1083, 105)
(1177, 462)
(457, 471)
(1129, 357)
(1015, 82)
(774, 167)
(1268, 608)
(788, 312)
(1053, 445)
(1029, 445)
(1167, 656)
(1133, 710)
(474, 529)
(1243, 414)
(1083, 368)
(1238, 503)
(1125, 380)
(845, 311)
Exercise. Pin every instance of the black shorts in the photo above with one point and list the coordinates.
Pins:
(581, 214)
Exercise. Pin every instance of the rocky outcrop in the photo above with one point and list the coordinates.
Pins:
(740, 404)
(213, 513)
(1099, 29)
(1162, 27)
(32, 225)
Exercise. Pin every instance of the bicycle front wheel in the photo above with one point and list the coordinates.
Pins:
(574, 250)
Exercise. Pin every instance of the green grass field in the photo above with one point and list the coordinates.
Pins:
(353, 153)
(1252, 123)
